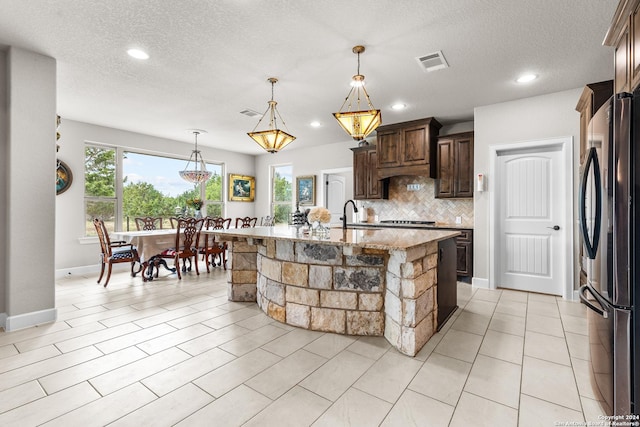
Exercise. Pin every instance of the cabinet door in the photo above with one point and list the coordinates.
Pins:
(635, 47)
(463, 167)
(464, 263)
(388, 143)
(414, 146)
(360, 168)
(374, 187)
(622, 63)
(444, 184)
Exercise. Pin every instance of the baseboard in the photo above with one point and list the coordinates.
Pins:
(88, 270)
(481, 283)
(26, 320)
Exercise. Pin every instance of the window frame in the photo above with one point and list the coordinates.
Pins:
(272, 183)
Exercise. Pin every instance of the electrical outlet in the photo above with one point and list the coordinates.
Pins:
(413, 187)
(458, 220)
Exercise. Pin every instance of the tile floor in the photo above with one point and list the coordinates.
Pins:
(175, 352)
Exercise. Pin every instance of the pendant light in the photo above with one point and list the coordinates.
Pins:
(195, 175)
(272, 139)
(358, 123)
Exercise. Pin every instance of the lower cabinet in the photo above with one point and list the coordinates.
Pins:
(464, 255)
(447, 287)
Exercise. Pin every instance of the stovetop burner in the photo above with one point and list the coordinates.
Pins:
(406, 221)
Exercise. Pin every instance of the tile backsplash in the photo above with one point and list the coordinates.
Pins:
(418, 205)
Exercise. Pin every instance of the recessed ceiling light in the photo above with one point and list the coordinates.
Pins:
(398, 106)
(526, 78)
(315, 124)
(138, 54)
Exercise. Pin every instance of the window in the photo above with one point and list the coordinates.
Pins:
(213, 194)
(281, 193)
(99, 187)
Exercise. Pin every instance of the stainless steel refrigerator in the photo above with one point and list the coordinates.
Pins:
(610, 186)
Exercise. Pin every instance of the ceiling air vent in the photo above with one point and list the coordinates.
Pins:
(249, 113)
(433, 61)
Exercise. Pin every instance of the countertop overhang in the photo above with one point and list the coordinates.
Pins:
(373, 238)
(434, 226)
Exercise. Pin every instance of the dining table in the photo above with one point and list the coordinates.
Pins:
(150, 244)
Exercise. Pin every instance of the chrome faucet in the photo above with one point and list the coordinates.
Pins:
(344, 212)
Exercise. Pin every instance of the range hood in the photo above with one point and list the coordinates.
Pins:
(421, 170)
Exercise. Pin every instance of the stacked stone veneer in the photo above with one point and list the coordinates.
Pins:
(342, 289)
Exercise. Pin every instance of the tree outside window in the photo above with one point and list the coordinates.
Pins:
(100, 187)
(282, 192)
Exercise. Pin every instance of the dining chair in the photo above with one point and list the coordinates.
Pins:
(211, 247)
(186, 244)
(267, 221)
(148, 223)
(246, 222)
(174, 220)
(114, 252)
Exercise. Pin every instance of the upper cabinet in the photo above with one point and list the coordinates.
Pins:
(455, 166)
(407, 148)
(367, 185)
(593, 96)
(624, 36)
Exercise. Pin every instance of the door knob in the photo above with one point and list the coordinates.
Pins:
(555, 227)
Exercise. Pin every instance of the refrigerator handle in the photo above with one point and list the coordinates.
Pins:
(583, 299)
(591, 245)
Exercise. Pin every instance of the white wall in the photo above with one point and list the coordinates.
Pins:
(541, 117)
(4, 171)
(70, 252)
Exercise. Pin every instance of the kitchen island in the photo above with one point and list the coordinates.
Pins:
(378, 282)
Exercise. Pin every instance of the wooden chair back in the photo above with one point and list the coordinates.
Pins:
(148, 223)
(174, 220)
(126, 252)
(267, 221)
(246, 222)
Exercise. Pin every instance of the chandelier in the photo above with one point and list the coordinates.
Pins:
(358, 123)
(272, 139)
(195, 175)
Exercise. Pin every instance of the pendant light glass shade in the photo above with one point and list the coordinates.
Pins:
(272, 139)
(361, 122)
(199, 173)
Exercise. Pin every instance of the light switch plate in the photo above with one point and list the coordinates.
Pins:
(458, 220)
(413, 187)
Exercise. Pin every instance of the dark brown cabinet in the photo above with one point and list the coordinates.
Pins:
(454, 160)
(366, 182)
(464, 253)
(407, 148)
(624, 36)
(594, 95)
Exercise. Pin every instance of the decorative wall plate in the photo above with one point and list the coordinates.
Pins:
(64, 177)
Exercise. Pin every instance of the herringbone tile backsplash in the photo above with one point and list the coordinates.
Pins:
(419, 205)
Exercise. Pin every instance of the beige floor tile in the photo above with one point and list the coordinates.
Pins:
(329, 345)
(128, 374)
(174, 338)
(75, 313)
(507, 323)
(547, 298)
(576, 325)
(480, 307)
(428, 348)
(134, 338)
(492, 295)
(8, 350)
(252, 340)
(495, 380)
(20, 395)
(233, 409)
(291, 341)
(57, 337)
(543, 308)
(476, 411)
(96, 337)
(545, 325)
(90, 369)
(23, 359)
(97, 317)
(582, 372)
(578, 345)
(459, 345)
(212, 339)
(116, 404)
(572, 308)
(333, 378)
(230, 318)
(234, 373)
(274, 381)
(471, 322)
(535, 412)
(593, 410)
(503, 346)
(371, 347)
(133, 316)
(297, 407)
(546, 347)
(168, 409)
(550, 381)
(413, 409)
(513, 295)
(513, 308)
(197, 317)
(256, 322)
(45, 367)
(50, 407)
(389, 376)
(465, 291)
(164, 317)
(441, 378)
(180, 374)
(354, 408)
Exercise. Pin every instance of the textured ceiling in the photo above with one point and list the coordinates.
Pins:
(211, 59)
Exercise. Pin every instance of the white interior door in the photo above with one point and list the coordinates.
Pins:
(335, 196)
(531, 220)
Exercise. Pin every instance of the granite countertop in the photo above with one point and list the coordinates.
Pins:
(437, 225)
(374, 238)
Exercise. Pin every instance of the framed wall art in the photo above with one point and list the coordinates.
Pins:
(306, 190)
(64, 177)
(242, 188)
